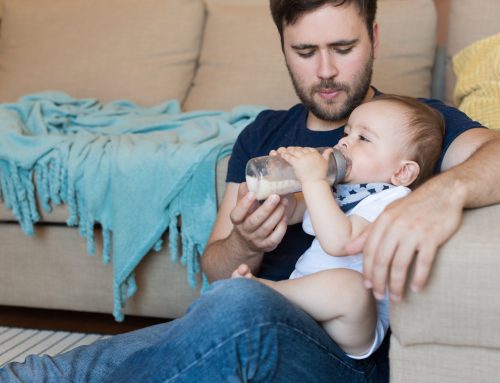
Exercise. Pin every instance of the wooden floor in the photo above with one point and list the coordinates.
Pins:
(71, 321)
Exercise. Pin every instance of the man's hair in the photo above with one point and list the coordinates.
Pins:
(425, 134)
(287, 12)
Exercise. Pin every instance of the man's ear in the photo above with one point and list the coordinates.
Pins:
(406, 173)
(375, 40)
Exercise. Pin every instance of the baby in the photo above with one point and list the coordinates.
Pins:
(391, 144)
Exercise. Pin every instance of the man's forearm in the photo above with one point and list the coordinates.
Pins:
(223, 256)
(476, 181)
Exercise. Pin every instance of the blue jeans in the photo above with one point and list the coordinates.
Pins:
(239, 330)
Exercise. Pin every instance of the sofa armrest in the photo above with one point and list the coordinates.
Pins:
(220, 178)
(460, 305)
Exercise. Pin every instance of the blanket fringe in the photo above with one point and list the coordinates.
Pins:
(158, 245)
(72, 207)
(55, 178)
(106, 245)
(173, 235)
(121, 292)
(51, 183)
(18, 192)
(2, 184)
(42, 183)
(50, 170)
(190, 258)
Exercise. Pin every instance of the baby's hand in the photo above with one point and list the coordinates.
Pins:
(308, 164)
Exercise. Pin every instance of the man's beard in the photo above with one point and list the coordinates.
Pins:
(334, 111)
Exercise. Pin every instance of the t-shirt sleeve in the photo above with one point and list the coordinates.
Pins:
(371, 207)
(456, 123)
(246, 147)
(239, 158)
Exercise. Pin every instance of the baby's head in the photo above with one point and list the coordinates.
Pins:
(395, 139)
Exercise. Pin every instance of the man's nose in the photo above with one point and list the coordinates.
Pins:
(327, 68)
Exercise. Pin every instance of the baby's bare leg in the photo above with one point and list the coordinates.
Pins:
(337, 300)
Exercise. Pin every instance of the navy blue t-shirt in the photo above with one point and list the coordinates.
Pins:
(272, 129)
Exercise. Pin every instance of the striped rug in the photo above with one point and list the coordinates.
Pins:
(17, 343)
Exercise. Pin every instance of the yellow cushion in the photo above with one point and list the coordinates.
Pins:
(470, 21)
(477, 92)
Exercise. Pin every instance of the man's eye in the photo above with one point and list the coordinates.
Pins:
(305, 54)
(343, 51)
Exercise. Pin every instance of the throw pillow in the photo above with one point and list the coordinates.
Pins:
(477, 92)
(470, 20)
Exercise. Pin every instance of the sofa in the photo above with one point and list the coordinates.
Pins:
(215, 55)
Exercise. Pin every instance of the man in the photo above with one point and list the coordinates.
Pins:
(329, 47)
(240, 330)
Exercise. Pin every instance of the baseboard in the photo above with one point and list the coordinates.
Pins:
(71, 320)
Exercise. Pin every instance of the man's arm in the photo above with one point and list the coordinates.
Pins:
(243, 231)
(412, 229)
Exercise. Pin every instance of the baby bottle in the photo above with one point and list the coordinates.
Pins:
(268, 175)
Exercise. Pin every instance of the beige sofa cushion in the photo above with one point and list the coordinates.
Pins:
(146, 50)
(407, 34)
(241, 60)
(59, 214)
(438, 363)
(470, 20)
(460, 306)
(53, 270)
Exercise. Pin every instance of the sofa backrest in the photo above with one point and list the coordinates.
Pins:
(113, 49)
(407, 45)
(241, 59)
(208, 54)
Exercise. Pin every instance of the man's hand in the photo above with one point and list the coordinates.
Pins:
(409, 230)
(259, 228)
(243, 231)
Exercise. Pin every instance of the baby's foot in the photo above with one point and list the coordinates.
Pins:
(243, 271)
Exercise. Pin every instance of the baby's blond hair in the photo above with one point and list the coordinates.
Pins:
(425, 128)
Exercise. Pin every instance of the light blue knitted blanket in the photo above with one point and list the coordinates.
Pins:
(133, 170)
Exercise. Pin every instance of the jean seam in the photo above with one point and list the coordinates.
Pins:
(311, 339)
(318, 344)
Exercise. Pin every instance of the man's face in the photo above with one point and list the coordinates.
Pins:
(330, 57)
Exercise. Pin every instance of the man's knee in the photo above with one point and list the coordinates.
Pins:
(244, 306)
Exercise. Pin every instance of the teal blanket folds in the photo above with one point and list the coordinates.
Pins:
(131, 169)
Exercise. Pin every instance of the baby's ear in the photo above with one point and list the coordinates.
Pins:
(406, 173)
